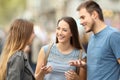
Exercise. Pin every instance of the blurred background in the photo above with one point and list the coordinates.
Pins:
(45, 13)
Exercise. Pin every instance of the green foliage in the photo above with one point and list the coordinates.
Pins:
(10, 9)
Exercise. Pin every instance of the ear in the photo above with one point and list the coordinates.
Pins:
(71, 34)
(94, 15)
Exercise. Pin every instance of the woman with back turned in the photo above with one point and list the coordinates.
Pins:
(13, 62)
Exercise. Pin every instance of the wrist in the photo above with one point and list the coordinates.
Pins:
(84, 66)
(78, 77)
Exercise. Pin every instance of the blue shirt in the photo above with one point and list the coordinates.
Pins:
(60, 62)
(102, 54)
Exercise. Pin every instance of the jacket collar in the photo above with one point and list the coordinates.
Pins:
(27, 65)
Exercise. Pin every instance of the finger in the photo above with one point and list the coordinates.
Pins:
(49, 69)
(83, 63)
(78, 62)
(43, 68)
(69, 75)
(43, 65)
(73, 62)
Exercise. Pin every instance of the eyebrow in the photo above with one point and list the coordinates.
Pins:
(82, 16)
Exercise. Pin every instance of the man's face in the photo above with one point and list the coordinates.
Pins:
(86, 20)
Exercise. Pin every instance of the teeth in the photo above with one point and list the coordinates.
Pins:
(60, 37)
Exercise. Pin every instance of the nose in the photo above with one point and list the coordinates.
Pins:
(60, 31)
(82, 22)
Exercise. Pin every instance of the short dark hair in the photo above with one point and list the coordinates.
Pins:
(91, 6)
(74, 30)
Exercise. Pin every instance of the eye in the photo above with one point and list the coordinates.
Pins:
(65, 30)
(82, 17)
(58, 28)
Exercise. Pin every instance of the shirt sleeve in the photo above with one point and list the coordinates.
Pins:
(115, 44)
(15, 67)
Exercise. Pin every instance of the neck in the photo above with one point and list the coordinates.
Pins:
(99, 26)
(64, 48)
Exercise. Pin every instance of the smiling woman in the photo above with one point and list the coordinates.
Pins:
(63, 32)
(66, 48)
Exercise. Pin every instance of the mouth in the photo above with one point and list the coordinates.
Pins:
(84, 24)
(60, 37)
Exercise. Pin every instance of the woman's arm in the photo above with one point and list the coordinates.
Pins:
(40, 62)
(41, 68)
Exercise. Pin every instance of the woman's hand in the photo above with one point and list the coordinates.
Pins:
(71, 75)
(45, 69)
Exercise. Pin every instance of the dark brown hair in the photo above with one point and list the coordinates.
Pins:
(74, 30)
(91, 6)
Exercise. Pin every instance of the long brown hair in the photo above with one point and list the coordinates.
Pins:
(18, 37)
(74, 30)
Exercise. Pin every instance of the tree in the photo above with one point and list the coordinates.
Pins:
(10, 9)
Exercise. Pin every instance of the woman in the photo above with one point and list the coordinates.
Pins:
(66, 48)
(14, 64)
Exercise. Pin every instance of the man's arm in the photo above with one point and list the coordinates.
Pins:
(83, 71)
(115, 45)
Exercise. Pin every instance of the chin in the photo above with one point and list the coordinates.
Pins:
(87, 31)
(61, 41)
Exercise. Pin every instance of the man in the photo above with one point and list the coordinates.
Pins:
(103, 53)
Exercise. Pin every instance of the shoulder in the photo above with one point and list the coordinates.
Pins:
(113, 32)
(17, 56)
(80, 53)
(115, 36)
(16, 61)
(50, 45)
(45, 46)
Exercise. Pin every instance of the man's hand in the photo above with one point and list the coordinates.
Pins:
(77, 63)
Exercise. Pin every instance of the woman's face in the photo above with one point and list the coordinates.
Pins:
(31, 38)
(63, 32)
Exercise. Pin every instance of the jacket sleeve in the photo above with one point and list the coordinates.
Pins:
(15, 68)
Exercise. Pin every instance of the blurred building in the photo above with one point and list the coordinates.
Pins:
(47, 12)
(111, 12)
